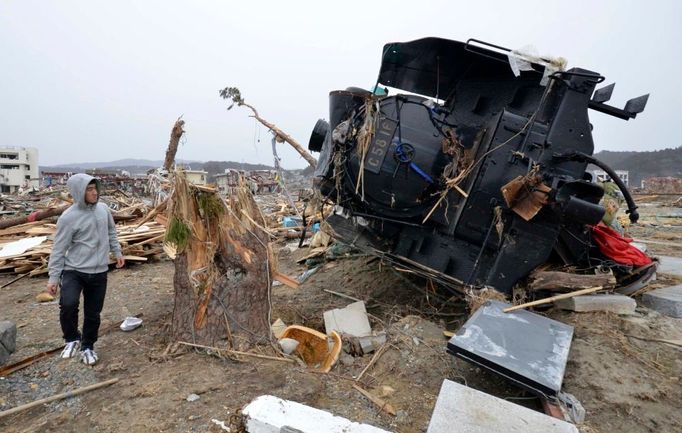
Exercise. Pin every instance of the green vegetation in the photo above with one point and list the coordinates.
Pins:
(178, 233)
(209, 205)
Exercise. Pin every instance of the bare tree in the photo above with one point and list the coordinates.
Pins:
(233, 94)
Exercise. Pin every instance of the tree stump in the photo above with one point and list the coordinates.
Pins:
(222, 267)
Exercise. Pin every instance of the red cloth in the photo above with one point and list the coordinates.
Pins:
(618, 248)
(32, 217)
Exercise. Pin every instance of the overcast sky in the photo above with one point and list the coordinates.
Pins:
(87, 81)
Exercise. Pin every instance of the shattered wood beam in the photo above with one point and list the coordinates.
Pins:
(35, 216)
(176, 134)
(563, 281)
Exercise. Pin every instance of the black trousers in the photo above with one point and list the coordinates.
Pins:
(94, 288)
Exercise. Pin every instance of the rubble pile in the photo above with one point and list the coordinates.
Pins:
(26, 241)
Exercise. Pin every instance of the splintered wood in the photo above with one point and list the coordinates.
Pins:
(223, 266)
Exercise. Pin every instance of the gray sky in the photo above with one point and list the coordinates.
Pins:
(98, 81)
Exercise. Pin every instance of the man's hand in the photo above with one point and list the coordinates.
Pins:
(52, 288)
(120, 262)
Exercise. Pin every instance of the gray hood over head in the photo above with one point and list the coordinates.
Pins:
(77, 184)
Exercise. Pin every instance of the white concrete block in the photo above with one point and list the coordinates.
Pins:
(269, 414)
(667, 300)
(351, 320)
(619, 304)
(465, 410)
(670, 265)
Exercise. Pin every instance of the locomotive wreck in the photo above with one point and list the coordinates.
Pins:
(477, 173)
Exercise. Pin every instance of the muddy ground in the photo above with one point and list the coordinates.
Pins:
(625, 383)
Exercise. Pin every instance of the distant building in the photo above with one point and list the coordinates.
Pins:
(18, 168)
(662, 185)
(227, 182)
(602, 176)
(51, 178)
(259, 181)
(196, 177)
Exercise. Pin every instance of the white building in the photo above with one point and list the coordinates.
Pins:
(18, 168)
(602, 176)
(196, 177)
(228, 181)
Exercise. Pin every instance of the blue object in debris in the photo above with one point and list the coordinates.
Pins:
(290, 222)
(316, 227)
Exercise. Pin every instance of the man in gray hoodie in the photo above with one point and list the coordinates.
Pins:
(86, 233)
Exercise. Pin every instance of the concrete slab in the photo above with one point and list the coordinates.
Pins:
(466, 410)
(667, 300)
(269, 414)
(351, 320)
(670, 265)
(619, 304)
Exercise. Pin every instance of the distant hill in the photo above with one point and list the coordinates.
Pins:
(666, 162)
(140, 166)
(129, 162)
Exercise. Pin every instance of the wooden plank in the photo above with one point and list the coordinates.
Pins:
(557, 281)
(9, 369)
(286, 280)
(135, 259)
(553, 298)
(19, 229)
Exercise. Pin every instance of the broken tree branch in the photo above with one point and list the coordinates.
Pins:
(237, 352)
(372, 361)
(233, 94)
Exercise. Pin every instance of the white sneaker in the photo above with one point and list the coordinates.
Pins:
(89, 357)
(70, 349)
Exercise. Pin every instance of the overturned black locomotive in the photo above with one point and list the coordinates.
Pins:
(477, 173)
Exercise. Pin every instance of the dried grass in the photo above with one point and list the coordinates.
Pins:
(475, 298)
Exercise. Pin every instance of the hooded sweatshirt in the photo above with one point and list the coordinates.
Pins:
(85, 234)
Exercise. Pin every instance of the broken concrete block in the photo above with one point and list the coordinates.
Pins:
(472, 411)
(619, 304)
(371, 343)
(351, 320)
(269, 414)
(670, 265)
(278, 328)
(8, 340)
(666, 301)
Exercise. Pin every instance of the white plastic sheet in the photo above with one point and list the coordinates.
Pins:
(21, 246)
